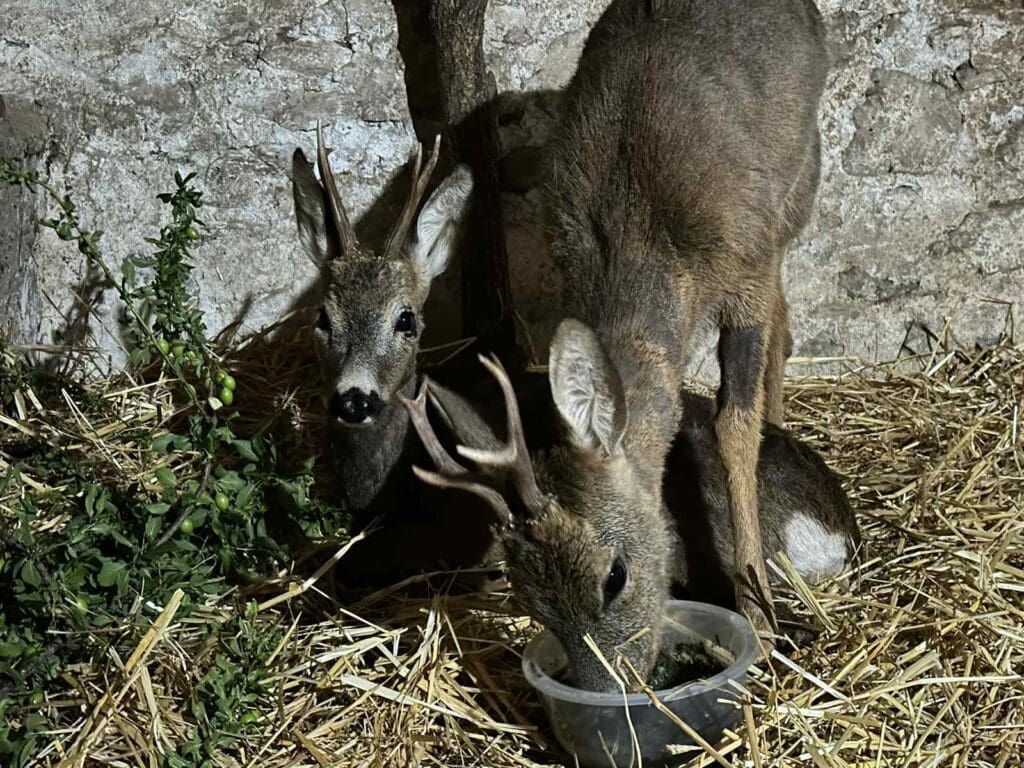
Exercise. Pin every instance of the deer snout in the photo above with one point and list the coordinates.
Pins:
(354, 406)
(588, 672)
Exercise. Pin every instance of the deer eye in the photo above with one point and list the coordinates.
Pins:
(322, 321)
(406, 323)
(615, 581)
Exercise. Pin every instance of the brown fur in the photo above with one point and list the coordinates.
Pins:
(362, 294)
(685, 163)
(558, 560)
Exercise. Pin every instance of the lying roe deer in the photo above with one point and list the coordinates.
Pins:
(802, 507)
(370, 316)
(566, 567)
(686, 160)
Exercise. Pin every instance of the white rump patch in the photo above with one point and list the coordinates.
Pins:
(815, 552)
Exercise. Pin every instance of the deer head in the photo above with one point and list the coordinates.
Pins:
(585, 544)
(370, 315)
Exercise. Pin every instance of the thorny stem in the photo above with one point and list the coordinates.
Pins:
(12, 175)
(67, 227)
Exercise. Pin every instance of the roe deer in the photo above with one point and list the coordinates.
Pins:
(686, 160)
(564, 566)
(370, 320)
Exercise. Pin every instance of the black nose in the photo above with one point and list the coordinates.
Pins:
(355, 406)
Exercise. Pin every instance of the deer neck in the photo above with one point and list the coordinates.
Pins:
(368, 460)
(652, 380)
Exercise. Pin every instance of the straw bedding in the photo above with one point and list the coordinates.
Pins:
(917, 664)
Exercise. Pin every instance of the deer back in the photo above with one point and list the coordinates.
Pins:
(804, 511)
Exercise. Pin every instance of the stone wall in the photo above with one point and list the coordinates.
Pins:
(920, 215)
(110, 99)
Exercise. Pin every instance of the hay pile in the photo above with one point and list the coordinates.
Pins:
(918, 663)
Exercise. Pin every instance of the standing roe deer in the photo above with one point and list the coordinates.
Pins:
(370, 320)
(686, 161)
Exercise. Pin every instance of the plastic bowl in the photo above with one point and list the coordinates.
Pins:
(594, 727)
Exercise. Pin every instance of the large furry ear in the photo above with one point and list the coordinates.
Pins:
(437, 227)
(310, 209)
(586, 388)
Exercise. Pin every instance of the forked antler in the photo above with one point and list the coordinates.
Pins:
(346, 235)
(514, 458)
(420, 180)
(451, 474)
(347, 241)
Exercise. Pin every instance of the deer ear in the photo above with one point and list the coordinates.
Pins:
(310, 209)
(461, 419)
(437, 227)
(586, 388)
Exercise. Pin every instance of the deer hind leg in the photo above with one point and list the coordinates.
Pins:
(780, 347)
(742, 356)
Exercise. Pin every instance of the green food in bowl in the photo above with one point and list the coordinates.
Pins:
(683, 664)
(596, 728)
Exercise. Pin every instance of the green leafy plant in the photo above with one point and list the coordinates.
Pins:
(228, 701)
(87, 555)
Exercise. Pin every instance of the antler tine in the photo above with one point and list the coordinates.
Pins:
(515, 456)
(485, 492)
(346, 235)
(420, 180)
(452, 474)
(421, 422)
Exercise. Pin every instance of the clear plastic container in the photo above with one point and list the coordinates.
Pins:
(594, 727)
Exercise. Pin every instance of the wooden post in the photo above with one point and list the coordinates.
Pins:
(467, 96)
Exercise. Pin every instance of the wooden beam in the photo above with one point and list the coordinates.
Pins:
(467, 92)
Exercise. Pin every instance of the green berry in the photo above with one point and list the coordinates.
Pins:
(36, 698)
(226, 396)
(250, 717)
(187, 526)
(229, 382)
(163, 345)
(177, 350)
(222, 501)
(192, 233)
(221, 376)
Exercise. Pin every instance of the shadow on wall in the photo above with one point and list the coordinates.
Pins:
(30, 134)
(523, 122)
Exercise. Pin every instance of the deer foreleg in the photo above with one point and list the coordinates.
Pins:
(780, 347)
(742, 356)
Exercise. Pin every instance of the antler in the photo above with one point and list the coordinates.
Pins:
(452, 474)
(420, 179)
(346, 235)
(514, 458)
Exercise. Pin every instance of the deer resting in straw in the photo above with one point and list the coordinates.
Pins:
(370, 315)
(686, 161)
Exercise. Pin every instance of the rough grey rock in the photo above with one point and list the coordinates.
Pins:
(919, 216)
(122, 96)
(22, 134)
(907, 212)
(903, 126)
